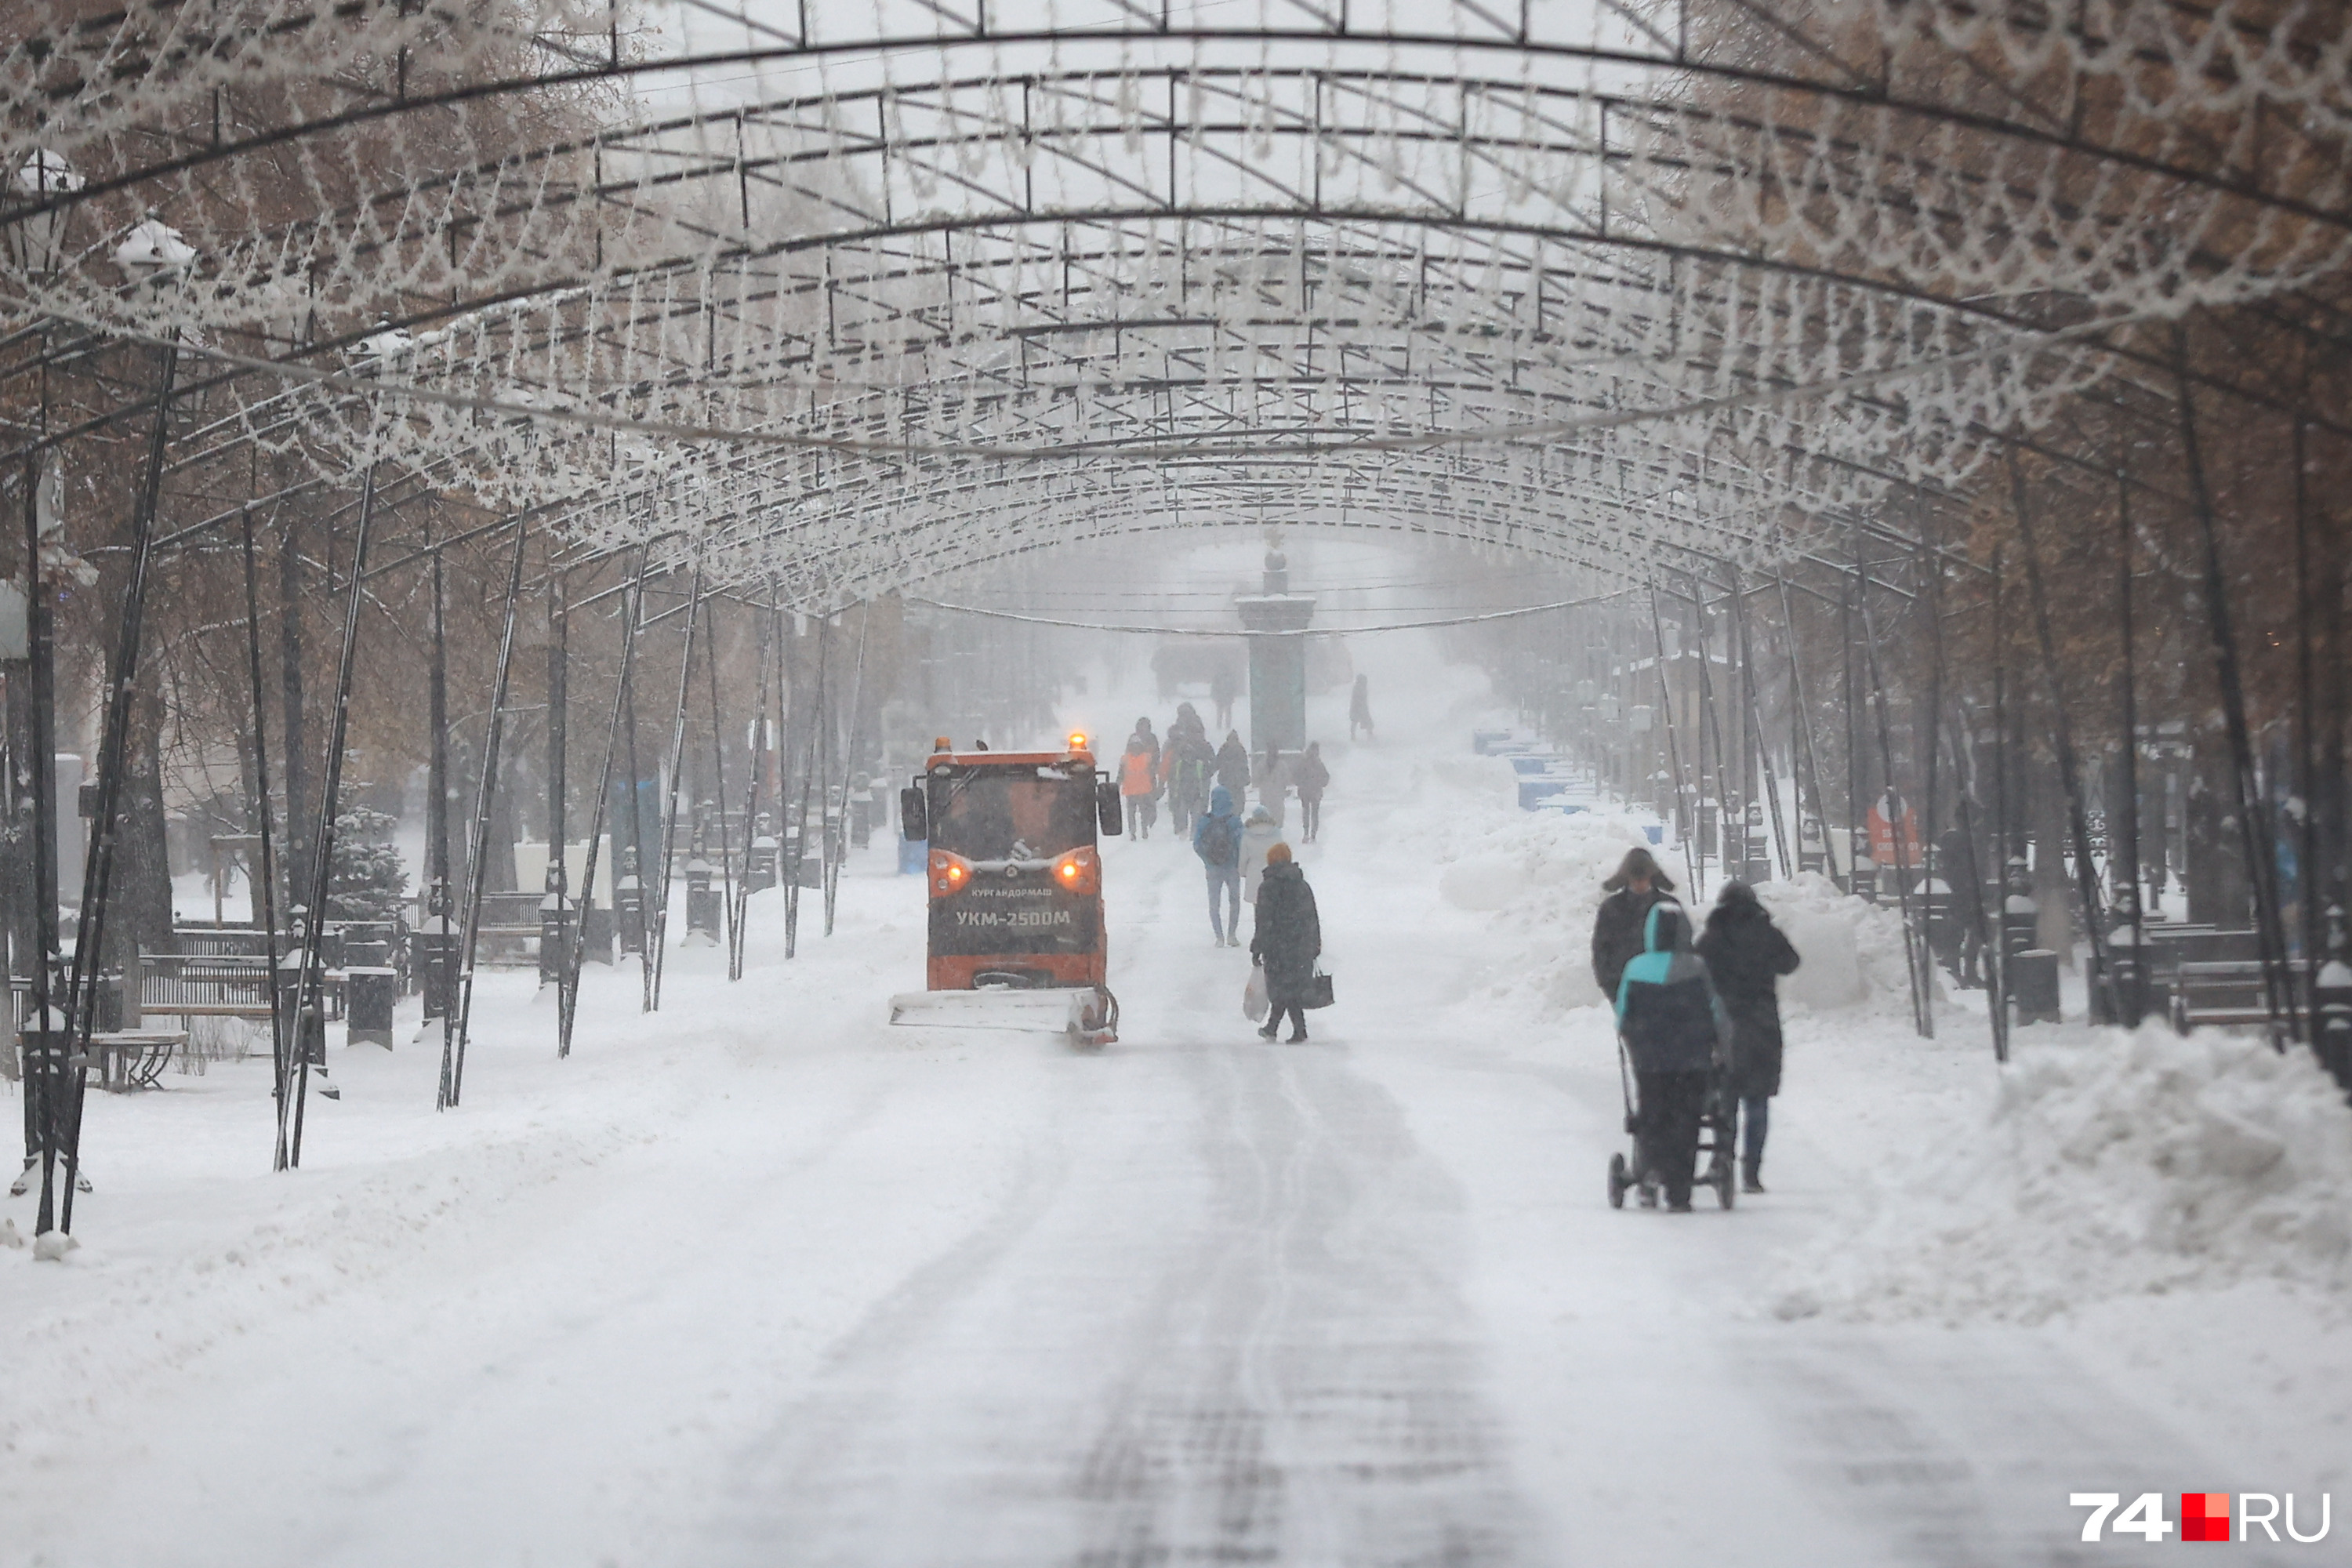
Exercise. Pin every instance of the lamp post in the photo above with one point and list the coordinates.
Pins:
(38, 241)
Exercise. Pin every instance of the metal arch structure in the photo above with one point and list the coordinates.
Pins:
(808, 303)
(755, 281)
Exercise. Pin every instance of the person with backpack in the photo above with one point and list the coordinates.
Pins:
(1746, 955)
(1310, 777)
(1285, 943)
(1674, 1031)
(1217, 840)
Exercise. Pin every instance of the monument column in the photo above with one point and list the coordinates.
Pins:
(1277, 665)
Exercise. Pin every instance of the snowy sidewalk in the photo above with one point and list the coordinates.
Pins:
(761, 1280)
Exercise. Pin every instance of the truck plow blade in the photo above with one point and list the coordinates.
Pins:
(1077, 1012)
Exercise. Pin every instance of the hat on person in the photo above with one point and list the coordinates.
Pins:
(1277, 855)
(1638, 865)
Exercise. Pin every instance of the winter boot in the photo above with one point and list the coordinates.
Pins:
(1267, 1033)
(1751, 1178)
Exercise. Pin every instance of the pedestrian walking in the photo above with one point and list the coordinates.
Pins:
(1137, 778)
(1310, 777)
(1285, 942)
(1188, 722)
(1746, 955)
(1186, 766)
(1222, 690)
(1675, 1032)
(1260, 833)
(1233, 765)
(1617, 929)
(1217, 840)
(1360, 707)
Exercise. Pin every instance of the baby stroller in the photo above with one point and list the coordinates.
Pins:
(1716, 1123)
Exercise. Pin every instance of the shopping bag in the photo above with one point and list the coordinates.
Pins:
(1254, 1002)
(1319, 992)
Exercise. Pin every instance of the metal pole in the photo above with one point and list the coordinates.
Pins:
(455, 1031)
(280, 1053)
(1806, 761)
(2306, 735)
(739, 910)
(658, 920)
(289, 694)
(1707, 722)
(2123, 855)
(1912, 938)
(568, 998)
(1931, 595)
(97, 865)
(308, 996)
(718, 794)
(1756, 747)
(40, 1091)
(1998, 952)
(1673, 746)
(637, 796)
(558, 878)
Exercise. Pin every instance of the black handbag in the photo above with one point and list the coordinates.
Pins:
(1319, 992)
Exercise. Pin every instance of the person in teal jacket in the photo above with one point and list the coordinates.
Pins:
(1675, 1034)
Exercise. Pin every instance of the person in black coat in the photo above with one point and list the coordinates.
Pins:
(1286, 943)
(1747, 955)
(1675, 1032)
(1233, 765)
(1617, 930)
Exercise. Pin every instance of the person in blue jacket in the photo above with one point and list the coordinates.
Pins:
(1217, 840)
(1675, 1032)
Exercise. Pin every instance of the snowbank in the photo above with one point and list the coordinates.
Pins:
(1852, 951)
(1538, 874)
(2107, 1163)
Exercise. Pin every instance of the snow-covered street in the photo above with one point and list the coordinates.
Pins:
(761, 1280)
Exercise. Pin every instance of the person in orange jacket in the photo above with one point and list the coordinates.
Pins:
(1138, 780)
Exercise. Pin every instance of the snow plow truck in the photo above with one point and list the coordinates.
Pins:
(1013, 879)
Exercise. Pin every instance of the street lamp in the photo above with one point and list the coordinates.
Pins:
(152, 251)
(36, 239)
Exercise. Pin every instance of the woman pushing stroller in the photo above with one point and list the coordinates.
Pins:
(1678, 1041)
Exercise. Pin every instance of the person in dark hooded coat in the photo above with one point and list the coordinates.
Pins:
(1675, 1031)
(1233, 765)
(1746, 955)
(1287, 941)
(1617, 930)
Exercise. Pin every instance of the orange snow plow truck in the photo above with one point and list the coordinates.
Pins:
(1014, 880)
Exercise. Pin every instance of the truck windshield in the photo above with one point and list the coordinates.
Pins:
(1010, 816)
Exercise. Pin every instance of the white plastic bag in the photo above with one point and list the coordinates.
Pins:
(1254, 998)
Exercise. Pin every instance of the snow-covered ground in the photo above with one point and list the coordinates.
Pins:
(761, 1280)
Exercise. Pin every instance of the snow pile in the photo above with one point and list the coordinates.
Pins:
(1538, 874)
(2129, 1163)
(1852, 951)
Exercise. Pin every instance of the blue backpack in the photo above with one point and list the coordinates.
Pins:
(1221, 840)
